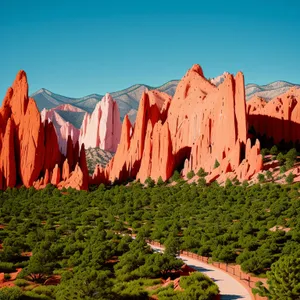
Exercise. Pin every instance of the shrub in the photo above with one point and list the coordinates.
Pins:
(44, 290)
(201, 173)
(264, 151)
(14, 293)
(274, 150)
(21, 282)
(176, 176)
(290, 178)
(190, 174)
(216, 164)
(261, 177)
(291, 155)
(282, 169)
(269, 174)
(21, 264)
(202, 182)
(7, 276)
(281, 159)
(150, 182)
(289, 163)
(160, 181)
(32, 295)
(6, 267)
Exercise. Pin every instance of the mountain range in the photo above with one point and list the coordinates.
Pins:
(128, 99)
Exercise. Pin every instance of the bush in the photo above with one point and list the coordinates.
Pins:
(281, 159)
(21, 282)
(274, 150)
(150, 182)
(198, 286)
(201, 173)
(190, 174)
(291, 155)
(261, 177)
(6, 267)
(290, 178)
(21, 264)
(45, 290)
(264, 151)
(14, 293)
(32, 295)
(160, 181)
(217, 164)
(282, 169)
(176, 176)
(7, 276)
(269, 175)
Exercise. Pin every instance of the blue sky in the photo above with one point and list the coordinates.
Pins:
(76, 48)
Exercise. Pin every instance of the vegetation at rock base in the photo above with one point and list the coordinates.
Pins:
(81, 236)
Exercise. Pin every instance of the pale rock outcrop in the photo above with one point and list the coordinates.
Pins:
(103, 127)
(63, 129)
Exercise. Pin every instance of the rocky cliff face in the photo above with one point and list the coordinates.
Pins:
(203, 123)
(29, 150)
(278, 118)
(63, 129)
(103, 127)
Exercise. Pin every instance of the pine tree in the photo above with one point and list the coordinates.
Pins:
(283, 280)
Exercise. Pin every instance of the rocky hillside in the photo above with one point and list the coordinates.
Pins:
(268, 91)
(97, 156)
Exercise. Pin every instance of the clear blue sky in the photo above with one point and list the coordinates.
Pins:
(77, 48)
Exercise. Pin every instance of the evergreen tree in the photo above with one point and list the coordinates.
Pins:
(290, 178)
(216, 164)
(190, 174)
(283, 280)
(274, 150)
(160, 181)
(150, 182)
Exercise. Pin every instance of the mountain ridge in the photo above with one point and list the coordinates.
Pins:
(128, 98)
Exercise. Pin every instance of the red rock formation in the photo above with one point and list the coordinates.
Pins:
(70, 152)
(75, 180)
(134, 157)
(47, 177)
(52, 153)
(63, 128)
(203, 123)
(99, 176)
(28, 148)
(84, 169)
(65, 170)
(28, 136)
(117, 167)
(8, 163)
(278, 118)
(55, 179)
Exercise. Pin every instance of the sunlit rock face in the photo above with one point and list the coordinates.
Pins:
(29, 149)
(103, 127)
(202, 123)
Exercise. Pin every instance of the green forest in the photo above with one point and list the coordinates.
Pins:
(83, 237)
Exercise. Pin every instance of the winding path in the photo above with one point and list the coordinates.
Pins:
(230, 288)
